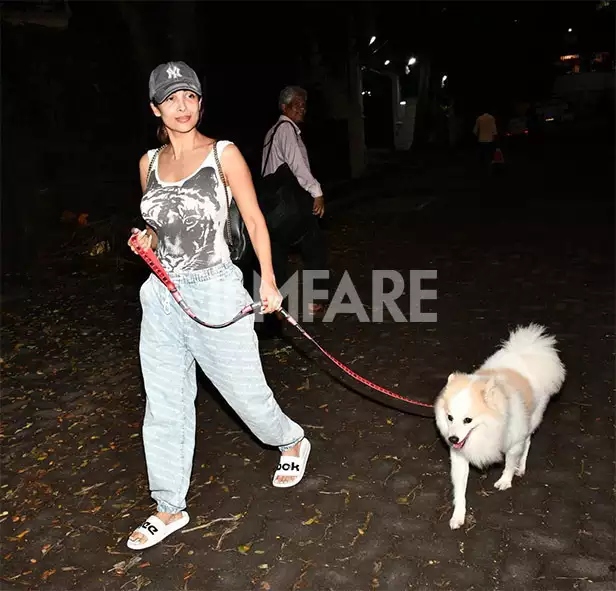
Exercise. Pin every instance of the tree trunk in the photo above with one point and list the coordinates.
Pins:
(142, 52)
(143, 56)
(183, 19)
(357, 141)
(422, 118)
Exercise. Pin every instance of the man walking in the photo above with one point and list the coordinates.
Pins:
(486, 132)
(284, 145)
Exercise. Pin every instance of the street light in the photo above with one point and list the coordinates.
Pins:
(443, 80)
(412, 61)
(387, 62)
(570, 30)
(372, 40)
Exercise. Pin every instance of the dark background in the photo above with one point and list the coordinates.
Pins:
(75, 113)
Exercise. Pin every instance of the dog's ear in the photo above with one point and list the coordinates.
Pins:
(494, 396)
(452, 376)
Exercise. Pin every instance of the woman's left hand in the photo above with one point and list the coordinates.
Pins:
(270, 297)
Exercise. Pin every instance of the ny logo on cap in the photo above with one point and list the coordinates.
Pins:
(173, 72)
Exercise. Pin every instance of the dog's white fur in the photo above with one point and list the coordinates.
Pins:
(505, 400)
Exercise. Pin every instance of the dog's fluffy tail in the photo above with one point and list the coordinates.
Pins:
(531, 352)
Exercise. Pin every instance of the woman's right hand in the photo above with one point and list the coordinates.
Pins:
(144, 240)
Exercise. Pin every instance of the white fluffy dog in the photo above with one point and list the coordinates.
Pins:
(495, 410)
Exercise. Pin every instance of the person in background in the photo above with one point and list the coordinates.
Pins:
(486, 132)
(284, 144)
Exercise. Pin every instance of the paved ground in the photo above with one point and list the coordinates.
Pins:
(372, 511)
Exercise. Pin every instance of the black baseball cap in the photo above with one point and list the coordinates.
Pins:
(171, 77)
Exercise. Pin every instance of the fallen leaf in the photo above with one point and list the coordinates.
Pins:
(123, 567)
(48, 574)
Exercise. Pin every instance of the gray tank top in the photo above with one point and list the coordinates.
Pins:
(188, 216)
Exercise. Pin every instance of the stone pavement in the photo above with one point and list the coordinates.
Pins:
(372, 511)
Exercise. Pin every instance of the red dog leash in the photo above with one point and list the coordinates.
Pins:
(152, 261)
(350, 372)
(150, 258)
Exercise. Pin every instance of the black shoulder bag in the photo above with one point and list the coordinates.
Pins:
(236, 234)
(286, 206)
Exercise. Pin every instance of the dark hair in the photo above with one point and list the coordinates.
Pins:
(163, 136)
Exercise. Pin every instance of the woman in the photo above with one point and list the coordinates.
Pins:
(184, 206)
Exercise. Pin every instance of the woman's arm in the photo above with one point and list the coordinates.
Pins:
(240, 182)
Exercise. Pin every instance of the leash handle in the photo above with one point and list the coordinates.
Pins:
(152, 261)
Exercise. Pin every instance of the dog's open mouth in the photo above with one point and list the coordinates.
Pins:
(460, 444)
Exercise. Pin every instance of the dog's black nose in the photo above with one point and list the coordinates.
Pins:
(454, 439)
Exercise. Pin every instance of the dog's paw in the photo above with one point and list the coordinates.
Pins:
(503, 483)
(520, 472)
(456, 521)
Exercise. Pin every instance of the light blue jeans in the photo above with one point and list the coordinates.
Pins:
(171, 344)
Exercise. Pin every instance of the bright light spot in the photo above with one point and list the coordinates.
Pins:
(387, 62)
(406, 70)
(550, 119)
(412, 61)
(403, 103)
(372, 40)
(570, 30)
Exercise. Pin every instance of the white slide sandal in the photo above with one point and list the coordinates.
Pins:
(156, 531)
(292, 466)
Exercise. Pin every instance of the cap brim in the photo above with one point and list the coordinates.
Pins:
(165, 93)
